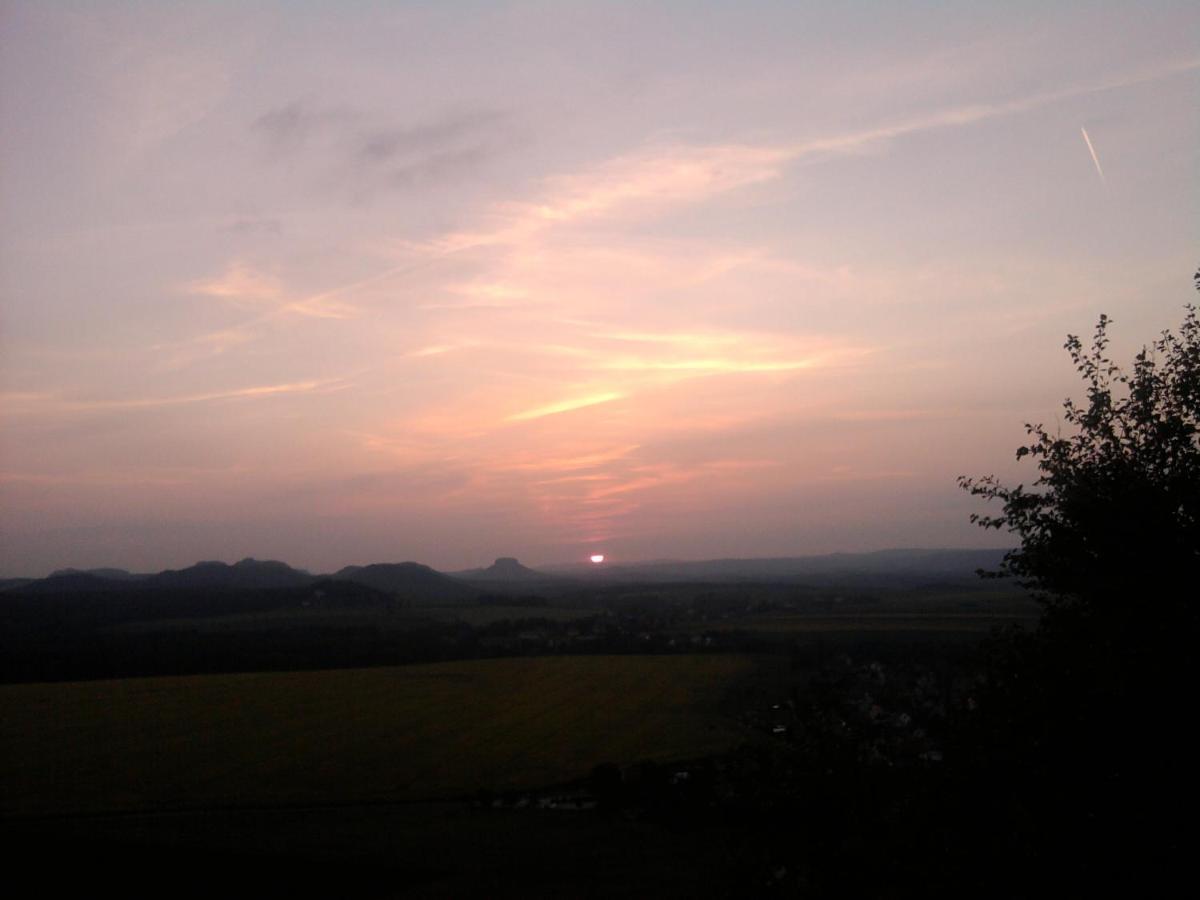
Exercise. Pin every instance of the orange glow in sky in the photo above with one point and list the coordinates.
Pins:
(711, 281)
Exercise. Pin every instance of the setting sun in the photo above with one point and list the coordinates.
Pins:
(332, 333)
(708, 322)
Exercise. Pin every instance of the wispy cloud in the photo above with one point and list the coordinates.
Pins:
(667, 176)
(41, 403)
(566, 292)
(562, 406)
(387, 145)
(529, 462)
(364, 152)
(242, 283)
(288, 128)
(520, 235)
(642, 182)
(239, 283)
(971, 114)
(659, 176)
(441, 349)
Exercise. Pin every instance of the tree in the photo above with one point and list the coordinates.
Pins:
(1111, 526)
(1081, 718)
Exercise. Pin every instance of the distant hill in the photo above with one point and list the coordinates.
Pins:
(249, 574)
(419, 584)
(70, 581)
(109, 574)
(504, 569)
(410, 581)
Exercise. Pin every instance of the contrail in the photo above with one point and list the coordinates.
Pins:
(1095, 158)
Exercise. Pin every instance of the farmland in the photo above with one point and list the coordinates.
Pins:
(351, 736)
(856, 625)
(599, 738)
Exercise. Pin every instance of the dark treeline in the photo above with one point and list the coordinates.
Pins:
(80, 632)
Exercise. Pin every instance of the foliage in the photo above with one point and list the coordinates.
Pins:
(1114, 515)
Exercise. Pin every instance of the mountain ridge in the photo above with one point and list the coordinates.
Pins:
(422, 583)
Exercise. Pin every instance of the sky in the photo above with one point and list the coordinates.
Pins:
(341, 283)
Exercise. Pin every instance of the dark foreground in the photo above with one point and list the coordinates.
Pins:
(756, 750)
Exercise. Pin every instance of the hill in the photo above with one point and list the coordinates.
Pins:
(249, 574)
(416, 583)
(507, 570)
(106, 573)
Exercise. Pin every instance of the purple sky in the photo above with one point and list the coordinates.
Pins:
(344, 283)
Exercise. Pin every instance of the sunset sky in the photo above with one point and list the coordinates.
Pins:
(358, 282)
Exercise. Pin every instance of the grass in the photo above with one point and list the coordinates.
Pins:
(351, 736)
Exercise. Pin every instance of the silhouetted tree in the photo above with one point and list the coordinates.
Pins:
(1111, 526)
(1079, 724)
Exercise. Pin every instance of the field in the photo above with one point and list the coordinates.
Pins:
(360, 736)
(966, 624)
(384, 621)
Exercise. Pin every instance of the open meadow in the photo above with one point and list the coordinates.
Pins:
(351, 736)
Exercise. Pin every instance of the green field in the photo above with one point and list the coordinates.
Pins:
(352, 736)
